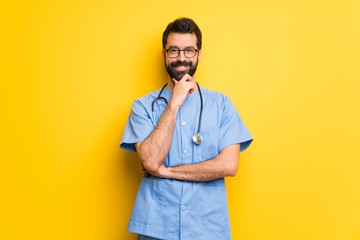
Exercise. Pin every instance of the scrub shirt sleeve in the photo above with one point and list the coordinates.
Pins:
(232, 128)
(138, 127)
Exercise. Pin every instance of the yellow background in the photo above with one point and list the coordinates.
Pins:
(70, 71)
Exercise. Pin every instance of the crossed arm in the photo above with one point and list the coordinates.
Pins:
(223, 165)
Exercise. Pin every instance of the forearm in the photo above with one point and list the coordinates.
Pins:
(155, 148)
(223, 165)
(204, 171)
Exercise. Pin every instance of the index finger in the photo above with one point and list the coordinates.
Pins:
(185, 78)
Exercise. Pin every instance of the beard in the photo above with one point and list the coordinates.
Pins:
(173, 73)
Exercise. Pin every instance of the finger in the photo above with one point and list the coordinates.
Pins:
(191, 91)
(186, 78)
(193, 87)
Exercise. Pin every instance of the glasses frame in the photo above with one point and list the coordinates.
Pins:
(178, 52)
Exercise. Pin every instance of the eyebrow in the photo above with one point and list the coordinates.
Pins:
(179, 48)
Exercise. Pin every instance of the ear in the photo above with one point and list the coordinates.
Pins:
(163, 54)
(199, 56)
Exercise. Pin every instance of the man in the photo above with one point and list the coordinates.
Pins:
(182, 194)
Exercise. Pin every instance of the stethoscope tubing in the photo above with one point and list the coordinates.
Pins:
(201, 109)
(158, 97)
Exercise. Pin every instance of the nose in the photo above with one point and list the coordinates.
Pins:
(181, 56)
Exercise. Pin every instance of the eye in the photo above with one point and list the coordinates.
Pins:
(190, 50)
(173, 50)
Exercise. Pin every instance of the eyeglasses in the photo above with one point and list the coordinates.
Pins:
(174, 52)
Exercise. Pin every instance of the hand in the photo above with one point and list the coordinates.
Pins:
(182, 89)
(161, 172)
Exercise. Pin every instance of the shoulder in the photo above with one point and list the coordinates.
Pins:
(221, 102)
(220, 99)
(146, 101)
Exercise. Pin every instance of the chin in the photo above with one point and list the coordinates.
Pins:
(179, 75)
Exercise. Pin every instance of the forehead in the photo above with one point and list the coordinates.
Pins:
(181, 40)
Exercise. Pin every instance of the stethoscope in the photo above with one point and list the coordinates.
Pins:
(197, 138)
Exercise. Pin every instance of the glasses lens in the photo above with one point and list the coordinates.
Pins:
(190, 53)
(173, 53)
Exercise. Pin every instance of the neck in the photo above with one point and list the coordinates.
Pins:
(170, 86)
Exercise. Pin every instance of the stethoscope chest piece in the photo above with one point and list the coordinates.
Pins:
(197, 138)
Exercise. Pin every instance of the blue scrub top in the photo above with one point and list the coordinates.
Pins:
(170, 209)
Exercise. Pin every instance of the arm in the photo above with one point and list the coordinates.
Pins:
(223, 165)
(153, 151)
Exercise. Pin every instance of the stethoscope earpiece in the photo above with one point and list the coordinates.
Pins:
(197, 138)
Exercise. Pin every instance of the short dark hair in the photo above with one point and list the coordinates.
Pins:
(182, 25)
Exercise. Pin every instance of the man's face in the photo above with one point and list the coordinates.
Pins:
(177, 67)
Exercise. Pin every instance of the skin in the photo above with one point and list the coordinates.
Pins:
(153, 151)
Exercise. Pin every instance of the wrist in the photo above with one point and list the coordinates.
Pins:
(166, 173)
(163, 171)
(173, 106)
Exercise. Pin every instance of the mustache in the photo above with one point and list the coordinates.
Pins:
(180, 63)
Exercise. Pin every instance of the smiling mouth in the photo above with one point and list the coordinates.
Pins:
(181, 68)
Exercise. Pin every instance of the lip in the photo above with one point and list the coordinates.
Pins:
(181, 68)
